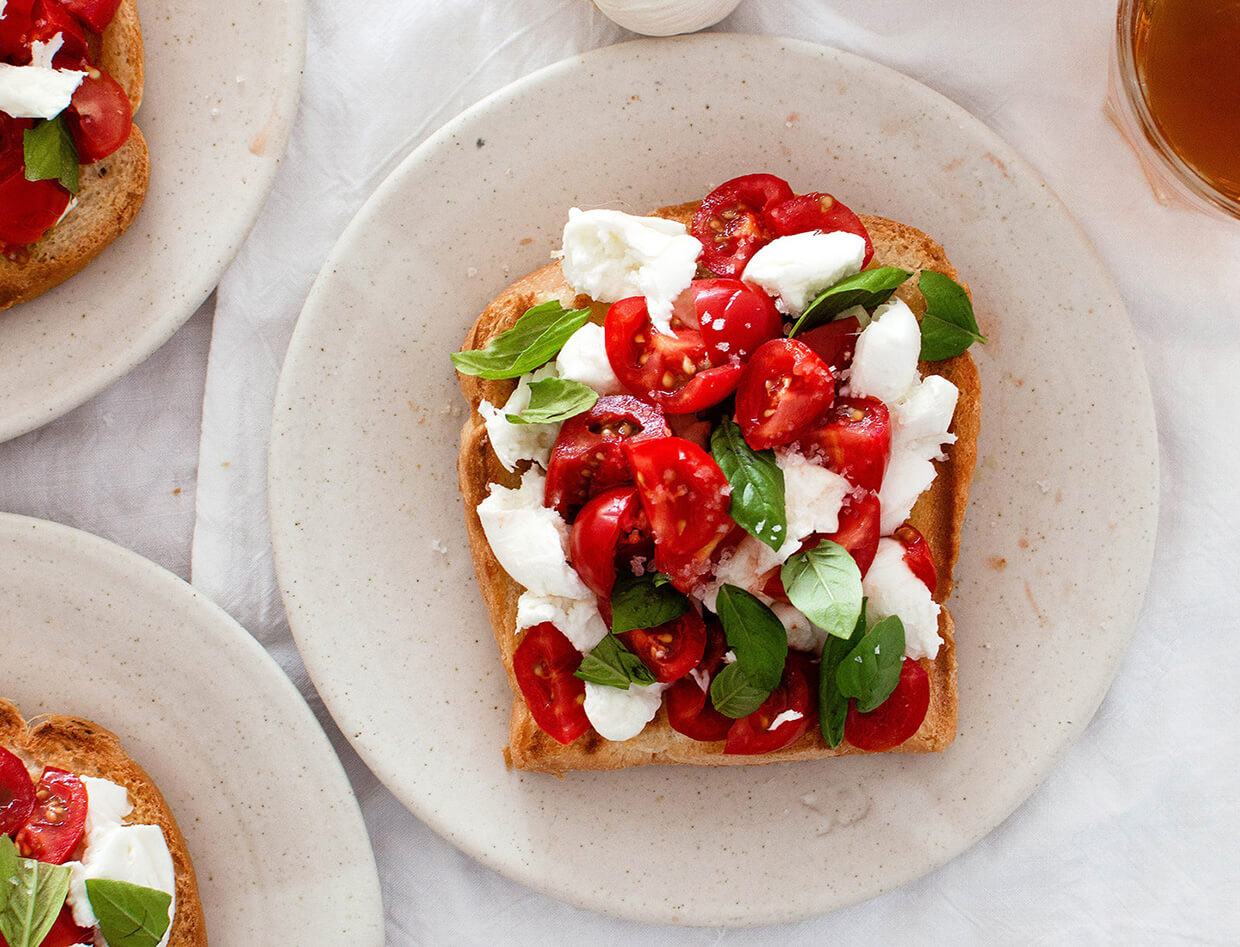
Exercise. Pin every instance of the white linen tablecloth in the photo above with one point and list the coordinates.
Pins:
(1133, 839)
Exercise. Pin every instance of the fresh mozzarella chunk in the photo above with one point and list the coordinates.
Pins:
(920, 420)
(610, 256)
(741, 567)
(802, 633)
(584, 359)
(36, 91)
(529, 540)
(577, 618)
(786, 717)
(622, 714)
(813, 496)
(892, 589)
(907, 476)
(884, 365)
(513, 443)
(797, 268)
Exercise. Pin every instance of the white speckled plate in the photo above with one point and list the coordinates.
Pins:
(90, 629)
(221, 91)
(364, 500)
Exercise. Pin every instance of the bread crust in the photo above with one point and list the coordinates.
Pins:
(112, 190)
(938, 514)
(87, 749)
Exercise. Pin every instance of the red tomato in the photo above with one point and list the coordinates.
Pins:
(784, 390)
(689, 711)
(685, 496)
(28, 209)
(588, 456)
(854, 438)
(859, 528)
(731, 221)
(671, 650)
(807, 212)
(611, 528)
(917, 555)
(16, 793)
(753, 734)
(59, 817)
(735, 318)
(12, 144)
(834, 342)
(49, 18)
(544, 663)
(716, 646)
(894, 720)
(99, 117)
(14, 27)
(96, 14)
(64, 933)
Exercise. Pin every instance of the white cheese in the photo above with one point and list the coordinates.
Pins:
(907, 476)
(513, 443)
(529, 540)
(37, 91)
(577, 618)
(797, 268)
(42, 54)
(786, 717)
(609, 256)
(892, 589)
(813, 496)
(803, 634)
(584, 358)
(622, 714)
(884, 365)
(742, 567)
(919, 421)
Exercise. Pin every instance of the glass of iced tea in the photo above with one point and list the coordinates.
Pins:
(1175, 93)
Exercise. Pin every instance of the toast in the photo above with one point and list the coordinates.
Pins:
(112, 189)
(87, 749)
(938, 514)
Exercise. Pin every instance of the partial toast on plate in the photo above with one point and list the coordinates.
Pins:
(938, 514)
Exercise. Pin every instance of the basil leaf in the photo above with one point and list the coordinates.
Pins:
(642, 601)
(129, 915)
(537, 338)
(869, 288)
(50, 153)
(824, 583)
(613, 665)
(31, 895)
(949, 326)
(871, 670)
(553, 400)
(757, 501)
(833, 705)
(733, 695)
(755, 634)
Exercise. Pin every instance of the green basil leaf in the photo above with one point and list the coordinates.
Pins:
(871, 670)
(833, 705)
(50, 153)
(734, 695)
(824, 583)
(755, 634)
(553, 400)
(129, 915)
(31, 895)
(757, 501)
(642, 601)
(611, 664)
(537, 338)
(869, 288)
(949, 326)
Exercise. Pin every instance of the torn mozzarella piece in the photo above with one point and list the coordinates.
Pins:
(891, 588)
(813, 496)
(742, 567)
(622, 714)
(884, 364)
(919, 424)
(584, 359)
(514, 443)
(803, 634)
(797, 268)
(577, 618)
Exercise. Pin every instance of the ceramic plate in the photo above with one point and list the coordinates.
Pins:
(367, 522)
(221, 91)
(90, 629)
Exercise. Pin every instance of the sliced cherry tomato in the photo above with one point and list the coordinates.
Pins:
(795, 694)
(29, 209)
(588, 456)
(685, 496)
(716, 646)
(858, 530)
(64, 933)
(99, 117)
(917, 555)
(735, 318)
(731, 222)
(784, 390)
(544, 663)
(15, 26)
(16, 793)
(612, 528)
(59, 818)
(808, 212)
(51, 18)
(834, 342)
(689, 711)
(854, 438)
(895, 719)
(12, 145)
(96, 14)
(671, 650)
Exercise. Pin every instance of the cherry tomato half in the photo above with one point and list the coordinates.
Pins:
(29, 209)
(895, 719)
(15, 25)
(588, 456)
(685, 496)
(809, 212)
(671, 650)
(735, 318)
(917, 555)
(544, 663)
(50, 18)
(611, 528)
(834, 342)
(64, 933)
(795, 693)
(689, 711)
(854, 438)
(784, 390)
(99, 117)
(12, 145)
(59, 818)
(16, 793)
(96, 14)
(858, 530)
(731, 222)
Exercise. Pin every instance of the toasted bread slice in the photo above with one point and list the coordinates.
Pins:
(87, 749)
(112, 190)
(938, 514)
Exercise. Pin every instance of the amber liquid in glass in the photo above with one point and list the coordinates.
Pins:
(1188, 63)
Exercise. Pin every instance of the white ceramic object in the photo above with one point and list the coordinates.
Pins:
(666, 17)
(279, 847)
(372, 552)
(220, 96)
